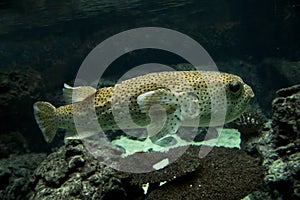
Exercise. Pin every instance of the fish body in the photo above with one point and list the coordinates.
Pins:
(160, 102)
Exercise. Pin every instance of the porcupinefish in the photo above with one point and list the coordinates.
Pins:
(179, 96)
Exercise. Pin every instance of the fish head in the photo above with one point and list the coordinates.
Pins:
(221, 97)
(238, 96)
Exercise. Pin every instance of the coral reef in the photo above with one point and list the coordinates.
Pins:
(279, 145)
(15, 175)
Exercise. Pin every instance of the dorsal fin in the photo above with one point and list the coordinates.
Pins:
(76, 94)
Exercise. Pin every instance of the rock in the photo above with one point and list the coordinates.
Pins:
(285, 92)
(286, 117)
(16, 173)
(73, 173)
(279, 147)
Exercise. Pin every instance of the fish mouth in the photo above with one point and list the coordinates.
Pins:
(249, 91)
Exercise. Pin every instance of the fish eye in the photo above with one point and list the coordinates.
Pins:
(235, 86)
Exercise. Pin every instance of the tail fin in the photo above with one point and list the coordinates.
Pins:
(44, 114)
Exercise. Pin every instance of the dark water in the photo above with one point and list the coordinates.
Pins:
(43, 43)
(224, 28)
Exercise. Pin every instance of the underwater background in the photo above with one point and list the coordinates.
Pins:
(43, 43)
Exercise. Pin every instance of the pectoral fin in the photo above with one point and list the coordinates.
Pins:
(162, 107)
(162, 97)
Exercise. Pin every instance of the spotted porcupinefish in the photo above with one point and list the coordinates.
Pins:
(160, 102)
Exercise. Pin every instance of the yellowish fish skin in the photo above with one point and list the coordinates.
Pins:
(183, 95)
